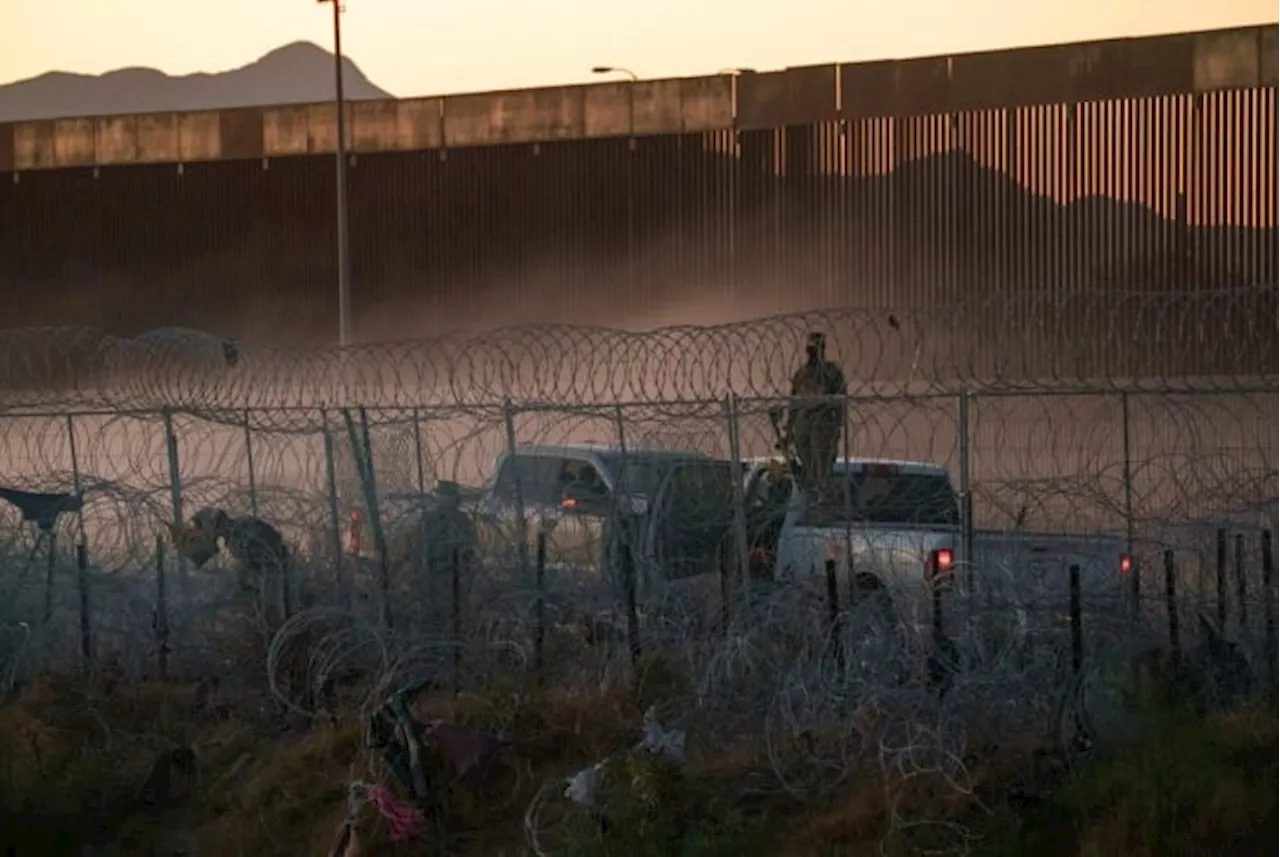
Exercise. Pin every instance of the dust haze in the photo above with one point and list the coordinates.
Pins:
(595, 291)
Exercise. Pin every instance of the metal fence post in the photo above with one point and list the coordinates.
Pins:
(1242, 587)
(1220, 579)
(417, 453)
(522, 533)
(739, 492)
(964, 442)
(248, 452)
(175, 490)
(362, 447)
(331, 489)
(846, 491)
(1171, 604)
(160, 619)
(620, 529)
(1268, 601)
(82, 557)
(76, 483)
(1135, 589)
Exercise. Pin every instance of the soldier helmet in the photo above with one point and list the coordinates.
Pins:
(817, 340)
(448, 490)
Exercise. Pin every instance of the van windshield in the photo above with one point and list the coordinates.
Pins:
(910, 499)
(640, 473)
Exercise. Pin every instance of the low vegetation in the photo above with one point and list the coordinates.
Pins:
(147, 768)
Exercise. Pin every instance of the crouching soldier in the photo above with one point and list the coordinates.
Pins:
(257, 547)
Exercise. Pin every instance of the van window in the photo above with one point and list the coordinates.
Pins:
(587, 485)
(919, 499)
(538, 475)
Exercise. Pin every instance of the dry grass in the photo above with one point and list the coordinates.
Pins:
(73, 762)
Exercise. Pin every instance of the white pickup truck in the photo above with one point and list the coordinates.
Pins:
(896, 532)
(894, 528)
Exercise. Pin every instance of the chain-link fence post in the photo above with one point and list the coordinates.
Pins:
(331, 492)
(175, 492)
(417, 453)
(522, 532)
(965, 447)
(739, 493)
(846, 495)
(160, 617)
(82, 556)
(362, 452)
(248, 453)
(76, 482)
(619, 534)
(1135, 580)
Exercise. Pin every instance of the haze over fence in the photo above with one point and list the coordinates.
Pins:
(1191, 339)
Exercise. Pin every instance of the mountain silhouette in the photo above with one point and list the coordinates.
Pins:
(298, 73)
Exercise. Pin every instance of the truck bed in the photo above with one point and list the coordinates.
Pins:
(1032, 568)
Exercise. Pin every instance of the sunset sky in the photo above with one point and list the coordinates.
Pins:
(419, 47)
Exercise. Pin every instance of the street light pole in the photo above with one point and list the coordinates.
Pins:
(631, 170)
(340, 148)
(736, 154)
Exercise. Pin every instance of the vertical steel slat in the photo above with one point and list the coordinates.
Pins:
(646, 188)
(883, 213)
(1270, 247)
(725, 145)
(894, 210)
(845, 151)
(833, 232)
(10, 237)
(1036, 247)
(1011, 255)
(909, 211)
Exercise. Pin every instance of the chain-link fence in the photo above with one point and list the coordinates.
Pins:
(1151, 470)
(1076, 527)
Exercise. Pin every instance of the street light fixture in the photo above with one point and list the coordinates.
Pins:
(340, 148)
(613, 69)
(631, 169)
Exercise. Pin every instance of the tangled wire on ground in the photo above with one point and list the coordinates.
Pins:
(825, 703)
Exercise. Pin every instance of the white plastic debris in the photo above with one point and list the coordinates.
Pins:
(662, 742)
(583, 786)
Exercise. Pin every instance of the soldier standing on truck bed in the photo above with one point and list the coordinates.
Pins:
(813, 427)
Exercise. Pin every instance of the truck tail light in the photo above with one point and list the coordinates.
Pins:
(941, 562)
(1126, 563)
(355, 530)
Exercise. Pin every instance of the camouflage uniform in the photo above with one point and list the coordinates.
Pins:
(260, 551)
(441, 530)
(815, 428)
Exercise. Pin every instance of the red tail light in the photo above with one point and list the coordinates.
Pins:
(355, 530)
(1126, 563)
(941, 561)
